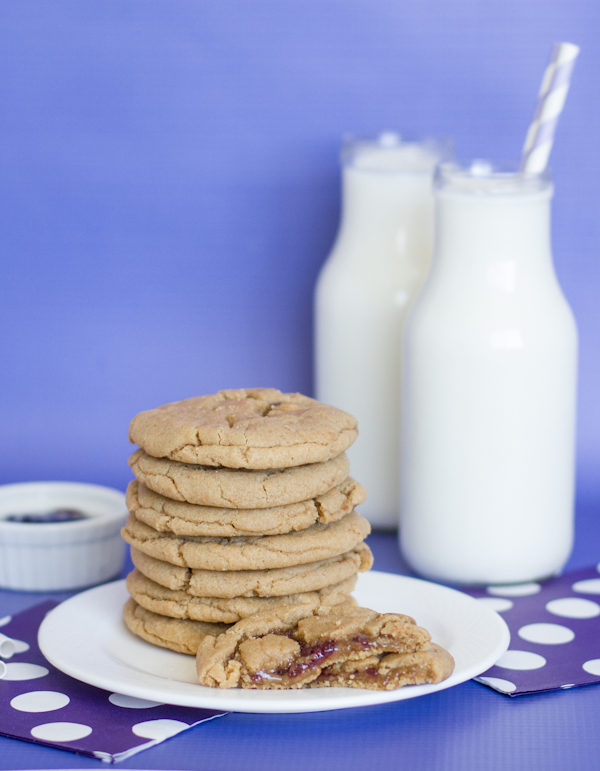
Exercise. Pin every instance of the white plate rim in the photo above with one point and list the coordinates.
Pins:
(90, 619)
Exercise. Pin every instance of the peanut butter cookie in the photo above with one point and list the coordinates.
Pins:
(168, 516)
(255, 583)
(177, 634)
(255, 428)
(178, 604)
(237, 488)
(340, 646)
(318, 542)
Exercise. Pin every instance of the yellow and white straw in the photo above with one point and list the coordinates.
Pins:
(551, 100)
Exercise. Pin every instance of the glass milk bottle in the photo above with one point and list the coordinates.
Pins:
(378, 262)
(489, 389)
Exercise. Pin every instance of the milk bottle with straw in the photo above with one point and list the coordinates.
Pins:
(489, 388)
(378, 263)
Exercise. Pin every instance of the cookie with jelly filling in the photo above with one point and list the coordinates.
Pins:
(344, 645)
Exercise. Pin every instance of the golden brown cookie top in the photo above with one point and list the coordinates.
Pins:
(256, 428)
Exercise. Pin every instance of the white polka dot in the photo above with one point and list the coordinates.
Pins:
(5, 620)
(591, 586)
(40, 701)
(61, 732)
(514, 590)
(7, 647)
(498, 604)
(573, 607)
(2, 669)
(130, 702)
(20, 646)
(21, 671)
(546, 634)
(521, 660)
(159, 729)
(592, 666)
(499, 684)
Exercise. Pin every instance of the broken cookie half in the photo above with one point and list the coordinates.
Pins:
(343, 646)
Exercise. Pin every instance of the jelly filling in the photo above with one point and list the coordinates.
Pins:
(316, 656)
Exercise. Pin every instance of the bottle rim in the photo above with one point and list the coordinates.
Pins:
(486, 179)
(391, 153)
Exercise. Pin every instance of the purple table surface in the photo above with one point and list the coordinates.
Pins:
(469, 727)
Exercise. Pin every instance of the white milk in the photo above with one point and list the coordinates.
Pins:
(378, 263)
(489, 390)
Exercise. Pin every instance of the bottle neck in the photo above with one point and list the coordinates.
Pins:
(390, 214)
(497, 239)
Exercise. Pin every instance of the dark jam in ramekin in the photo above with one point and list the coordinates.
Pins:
(47, 517)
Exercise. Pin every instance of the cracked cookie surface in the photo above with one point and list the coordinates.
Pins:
(238, 488)
(180, 518)
(179, 604)
(255, 428)
(316, 543)
(255, 583)
(177, 634)
(344, 645)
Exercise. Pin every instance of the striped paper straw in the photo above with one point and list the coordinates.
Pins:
(551, 100)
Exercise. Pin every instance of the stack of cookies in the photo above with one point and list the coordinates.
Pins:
(242, 504)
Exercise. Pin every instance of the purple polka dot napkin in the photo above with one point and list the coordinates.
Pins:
(40, 704)
(555, 633)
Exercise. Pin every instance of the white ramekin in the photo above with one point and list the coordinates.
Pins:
(60, 555)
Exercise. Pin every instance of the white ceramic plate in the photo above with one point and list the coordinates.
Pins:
(86, 638)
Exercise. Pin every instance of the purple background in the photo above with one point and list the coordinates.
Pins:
(169, 189)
